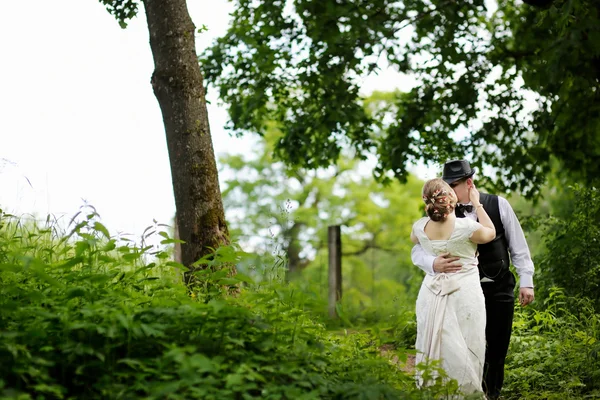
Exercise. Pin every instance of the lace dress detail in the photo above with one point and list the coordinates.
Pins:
(451, 309)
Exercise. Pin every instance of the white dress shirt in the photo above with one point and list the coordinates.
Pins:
(517, 246)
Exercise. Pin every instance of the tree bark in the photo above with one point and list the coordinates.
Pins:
(295, 263)
(178, 87)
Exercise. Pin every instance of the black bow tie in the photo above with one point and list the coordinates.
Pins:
(461, 209)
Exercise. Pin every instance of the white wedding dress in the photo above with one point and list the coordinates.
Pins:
(451, 310)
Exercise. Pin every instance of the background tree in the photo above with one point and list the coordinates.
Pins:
(511, 86)
(178, 87)
(291, 208)
(273, 209)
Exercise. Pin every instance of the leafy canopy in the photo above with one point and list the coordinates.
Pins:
(510, 86)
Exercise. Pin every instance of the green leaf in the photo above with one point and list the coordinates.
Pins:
(81, 247)
(171, 241)
(101, 228)
(11, 267)
(75, 292)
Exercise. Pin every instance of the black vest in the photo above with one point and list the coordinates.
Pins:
(494, 258)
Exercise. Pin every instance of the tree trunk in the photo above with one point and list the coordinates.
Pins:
(178, 86)
(295, 263)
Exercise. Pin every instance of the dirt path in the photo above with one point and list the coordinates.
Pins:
(387, 351)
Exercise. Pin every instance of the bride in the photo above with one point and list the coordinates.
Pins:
(450, 306)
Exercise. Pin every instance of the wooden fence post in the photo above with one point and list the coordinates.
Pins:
(334, 239)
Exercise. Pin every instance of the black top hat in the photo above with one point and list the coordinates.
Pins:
(455, 170)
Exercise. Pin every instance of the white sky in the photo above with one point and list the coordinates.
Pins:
(78, 118)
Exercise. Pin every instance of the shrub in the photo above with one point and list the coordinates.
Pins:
(572, 258)
(554, 352)
(83, 315)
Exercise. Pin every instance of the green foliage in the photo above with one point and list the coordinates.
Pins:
(564, 68)
(404, 333)
(83, 315)
(555, 345)
(556, 202)
(376, 292)
(122, 10)
(379, 280)
(480, 70)
(554, 351)
(572, 259)
(292, 209)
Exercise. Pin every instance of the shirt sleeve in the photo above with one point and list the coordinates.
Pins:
(422, 259)
(517, 245)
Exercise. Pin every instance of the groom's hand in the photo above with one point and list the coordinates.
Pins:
(446, 263)
(526, 296)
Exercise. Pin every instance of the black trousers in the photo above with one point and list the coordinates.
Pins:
(499, 307)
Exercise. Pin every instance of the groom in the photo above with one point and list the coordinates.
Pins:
(497, 281)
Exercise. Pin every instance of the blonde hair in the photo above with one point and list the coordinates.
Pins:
(439, 199)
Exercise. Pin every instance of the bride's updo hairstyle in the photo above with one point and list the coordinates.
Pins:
(439, 199)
